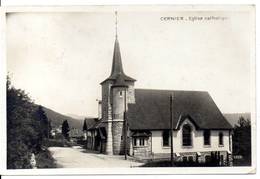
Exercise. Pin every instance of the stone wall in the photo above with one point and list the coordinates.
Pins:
(118, 138)
(107, 115)
(143, 151)
(130, 93)
(118, 105)
(112, 112)
(106, 103)
(109, 140)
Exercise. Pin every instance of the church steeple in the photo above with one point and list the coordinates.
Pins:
(117, 67)
(117, 92)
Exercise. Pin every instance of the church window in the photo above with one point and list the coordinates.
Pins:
(206, 135)
(166, 138)
(120, 93)
(135, 141)
(186, 135)
(220, 138)
(141, 141)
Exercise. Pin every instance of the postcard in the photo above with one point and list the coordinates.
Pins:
(147, 89)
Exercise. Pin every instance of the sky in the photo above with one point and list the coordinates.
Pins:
(60, 58)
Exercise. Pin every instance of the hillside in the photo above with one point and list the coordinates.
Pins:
(57, 119)
(234, 117)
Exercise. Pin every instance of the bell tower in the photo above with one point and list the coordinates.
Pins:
(117, 92)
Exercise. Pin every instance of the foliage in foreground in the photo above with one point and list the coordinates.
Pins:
(27, 126)
(45, 160)
(242, 142)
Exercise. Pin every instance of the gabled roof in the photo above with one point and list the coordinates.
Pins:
(152, 110)
(96, 123)
(117, 67)
(91, 123)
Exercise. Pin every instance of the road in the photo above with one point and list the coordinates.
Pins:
(77, 157)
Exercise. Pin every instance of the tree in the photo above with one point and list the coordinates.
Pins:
(65, 129)
(242, 139)
(85, 128)
(41, 116)
(242, 122)
(23, 136)
(24, 128)
(49, 129)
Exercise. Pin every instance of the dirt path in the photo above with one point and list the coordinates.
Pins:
(77, 157)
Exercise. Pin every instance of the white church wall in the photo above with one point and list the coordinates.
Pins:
(198, 140)
(157, 143)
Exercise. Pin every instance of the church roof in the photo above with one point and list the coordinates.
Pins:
(91, 123)
(120, 82)
(117, 67)
(152, 110)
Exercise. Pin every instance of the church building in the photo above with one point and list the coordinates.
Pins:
(140, 122)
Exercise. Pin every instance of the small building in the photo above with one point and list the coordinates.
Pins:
(137, 121)
(75, 134)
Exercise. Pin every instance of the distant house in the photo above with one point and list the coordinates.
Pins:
(137, 121)
(75, 133)
(56, 132)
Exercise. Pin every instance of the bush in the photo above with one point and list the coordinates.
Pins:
(25, 132)
(44, 159)
(57, 143)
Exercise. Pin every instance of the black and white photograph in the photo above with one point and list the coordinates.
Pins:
(130, 87)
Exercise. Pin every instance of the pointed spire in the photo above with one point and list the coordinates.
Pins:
(117, 67)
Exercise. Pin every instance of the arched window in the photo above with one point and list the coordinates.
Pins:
(220, 138)
(186, 135)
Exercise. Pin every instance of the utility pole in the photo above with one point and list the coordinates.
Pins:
(125, 127)
(171, 128)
